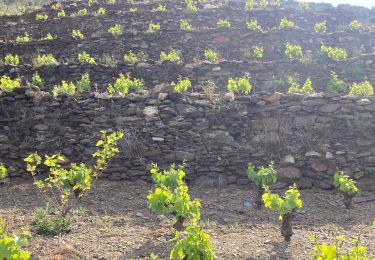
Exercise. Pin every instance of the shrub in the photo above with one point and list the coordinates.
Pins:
(294, 87)
(67, 88)
(50, 222)
(101, 11)
(8, 85)
(293, 51)
(56, 6)
(211, 55)
(21, 9)
(263, 3)
(134, 9)
(190, 6)
(37, 80)
(284, 22)
(258, 52)
(276, 3)
(134, 57)
(171, 195)
(48, 37)
(358, 51)
(277, 83)
(11, 59)
(41, 17)
(307, 87)
(346, 186)
(355, 25)
(110, 2)
(160, 8)
(196, 245)
(209, 89)
(84, 84)
(285, 206)
(239, 85)
(152, 27)
(44, 60)
(334, 53)
(263, 177)
(335, 84)
(247, 54)
(321, 27)
(303, 5)
(223, 23)
(250, 4)
(115, 30)
(24, 38)
(364, 88)
(172, 56)
(3, 172)
(185, 25)
(11, 247)
(82, 12)
(334, 251)
(123, 84)
(78, 34)
(253, 25)
(182, 85)
(75, 180)
(85, 58)
(61, 14)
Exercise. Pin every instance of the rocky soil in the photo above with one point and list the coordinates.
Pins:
(117, 224)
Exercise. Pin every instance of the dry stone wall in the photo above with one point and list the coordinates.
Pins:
(307, 137)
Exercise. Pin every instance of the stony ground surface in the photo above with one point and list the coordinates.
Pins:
(118, 225)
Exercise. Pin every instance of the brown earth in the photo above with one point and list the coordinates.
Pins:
(118, 224)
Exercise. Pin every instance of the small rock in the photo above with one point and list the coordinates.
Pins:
(41, 127)
(229, 97)
(162, 96)
(157, 139)
(274, 97)
(288, 160)
(329, 155)
(319, 166)
(150, 111)
(289, 173)
(163, 88)
(312, 154)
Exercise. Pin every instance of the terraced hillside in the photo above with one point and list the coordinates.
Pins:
(214, 85)
(234, 45)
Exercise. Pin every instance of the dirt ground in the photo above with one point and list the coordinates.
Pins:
(118, 225)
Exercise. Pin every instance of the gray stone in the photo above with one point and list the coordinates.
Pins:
(150, 111)
(329, 108)
(41, 127)
(289, 173)
(313, 154)
(288, 160)
(186, 110)
(319, 166)
(219, 137)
